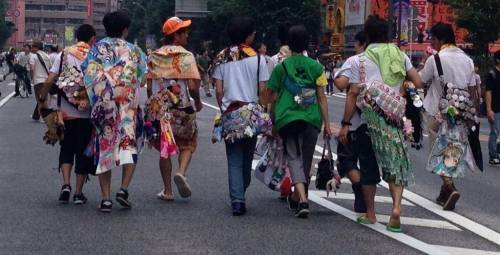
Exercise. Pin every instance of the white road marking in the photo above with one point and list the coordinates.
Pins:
(403, 238)
(400, 237)
(456, 218)
(350, 196)
(419, 222)
(6, 99)
(465, 251)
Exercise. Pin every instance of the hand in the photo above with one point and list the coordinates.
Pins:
(343, 135)
(327, 131)
(198, 105)
(491, 116)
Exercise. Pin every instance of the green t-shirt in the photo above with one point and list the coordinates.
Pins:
(304, 71)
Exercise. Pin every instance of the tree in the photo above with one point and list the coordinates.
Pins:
(482, 19)
(6, 28)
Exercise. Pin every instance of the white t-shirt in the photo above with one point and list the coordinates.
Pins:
(240, 79)
(458, 69)
(68, 109)
(52, 57)
(23, 59)
(39, 72)
(350, 69)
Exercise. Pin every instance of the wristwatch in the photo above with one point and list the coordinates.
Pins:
(346, 123)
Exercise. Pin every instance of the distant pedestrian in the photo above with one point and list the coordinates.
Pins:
(204, 66)
(240, 76)
(22, 70)
(113, 74)
(74, 106)
(453, 90)
(172, 86)
(493, 109)
(10, 57)
(39, 67)
(299, 122)
(383, 67)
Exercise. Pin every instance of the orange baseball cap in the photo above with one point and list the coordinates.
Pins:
(173, 24)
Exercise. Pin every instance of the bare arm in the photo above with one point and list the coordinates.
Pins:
(489, 109)
(350, 109)
(44, 91)
(263, 94)
(414, 77)
(219, 91)
(341, 83)
(194, 91)
(323, 106)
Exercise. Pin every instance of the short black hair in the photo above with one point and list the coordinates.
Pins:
(37, 44)
(27, 45)
(496, 56)
(85, 32)
(443, 32)
(360, 37)
(298, 38)
(376, 30)
(115, 23)
(169, 39)
(239, 28)
(54, 48)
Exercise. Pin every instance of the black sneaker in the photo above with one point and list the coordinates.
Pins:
(239, 208)
(122, 198)
(302, 210)
(79, 199)
(106, 206)
(65, 194)
(292, 204)
(494, 162)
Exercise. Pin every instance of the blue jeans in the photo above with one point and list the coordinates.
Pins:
(239, 162)
(492, 142)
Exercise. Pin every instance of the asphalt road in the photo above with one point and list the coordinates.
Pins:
(32, 222)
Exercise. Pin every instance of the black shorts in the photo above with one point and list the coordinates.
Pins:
(77, 135)
(359, 148)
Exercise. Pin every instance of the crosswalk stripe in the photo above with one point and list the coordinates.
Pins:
(350, 196)
(465, 251)
(420, 222)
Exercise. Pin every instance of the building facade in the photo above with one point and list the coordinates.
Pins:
(54, 21)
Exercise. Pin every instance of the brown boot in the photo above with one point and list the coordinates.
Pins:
(452, 196)
(441, 199)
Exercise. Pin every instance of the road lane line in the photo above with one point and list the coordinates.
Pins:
(420, 222)
(453, 217)
(400, 237)
(465, 251)
(6, 99)
(350, 196)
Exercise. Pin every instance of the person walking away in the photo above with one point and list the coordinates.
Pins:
(39, 67)
(493, 109)
(53, 49)
(240, 81)
(359, 146)
(449, 144)
(113, 73)
(73, 103)
(204, 66)
(176, 83)
(10, 58)
(22, 67)
(299, 122)
(382, 64)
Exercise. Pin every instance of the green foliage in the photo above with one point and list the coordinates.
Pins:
(482, 19)
(5, 28)
(268, 15)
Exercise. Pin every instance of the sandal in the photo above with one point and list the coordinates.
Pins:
(363, 220)
(394, 228)
(164, 197)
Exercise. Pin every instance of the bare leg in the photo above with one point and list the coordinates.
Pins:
(397, 194)
(128, 172)
(66, 173)
(369, 192)
(299, 193)
(105, 183)
(184, 160)
(166, 175)
(80, 181)
(354, 176)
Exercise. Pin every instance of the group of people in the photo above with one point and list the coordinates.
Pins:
(92, 90)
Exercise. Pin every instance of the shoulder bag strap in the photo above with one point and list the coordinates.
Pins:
(42, 62)
(258, 77)
(59, 92)
(362, 69)
(439, 68)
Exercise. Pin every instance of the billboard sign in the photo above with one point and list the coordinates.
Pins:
(355, 12)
